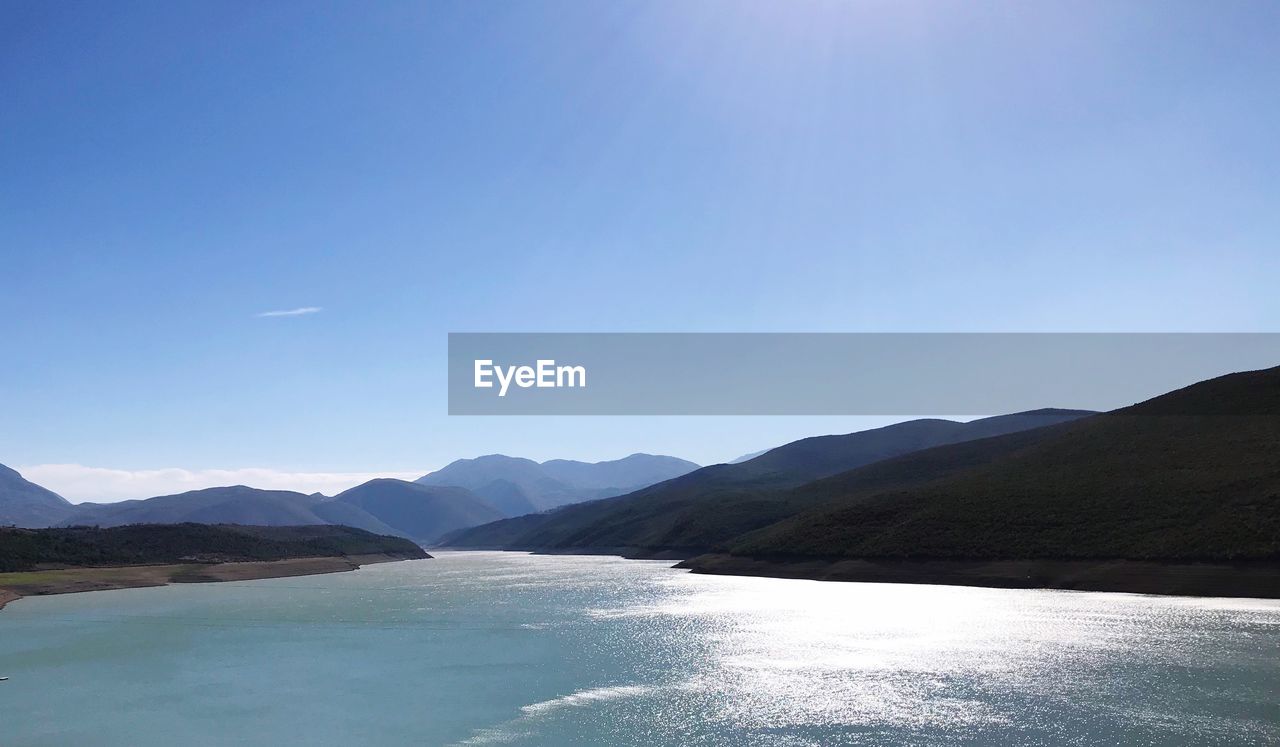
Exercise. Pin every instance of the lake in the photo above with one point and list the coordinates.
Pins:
(505, 648)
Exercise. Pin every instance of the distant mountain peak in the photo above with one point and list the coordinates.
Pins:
(24, 503)
(516, 485)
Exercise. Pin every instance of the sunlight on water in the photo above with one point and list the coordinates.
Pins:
(504, 648)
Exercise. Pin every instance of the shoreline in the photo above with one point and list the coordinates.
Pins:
(627, 552)
(1251, 580)
(16, 585)
(1233, 580)
(1246, 580)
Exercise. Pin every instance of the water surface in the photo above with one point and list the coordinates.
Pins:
(506, 648)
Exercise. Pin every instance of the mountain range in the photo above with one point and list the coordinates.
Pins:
(1190, 477)
(520, 486)
(699, 509)
(439, 503)
(422, 512)
(1177, 494)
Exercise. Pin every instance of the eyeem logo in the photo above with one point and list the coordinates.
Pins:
(544, 375)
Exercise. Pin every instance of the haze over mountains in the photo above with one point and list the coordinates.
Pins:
(520, 486)
(382, 506)
(423, 511)
(236, 504)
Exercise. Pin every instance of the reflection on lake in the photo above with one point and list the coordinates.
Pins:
(506, 648)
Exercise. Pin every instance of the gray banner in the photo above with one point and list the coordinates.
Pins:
(832, 374)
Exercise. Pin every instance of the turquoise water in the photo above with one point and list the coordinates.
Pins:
(505, 648)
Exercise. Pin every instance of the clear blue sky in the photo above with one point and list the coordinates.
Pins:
(169, 170)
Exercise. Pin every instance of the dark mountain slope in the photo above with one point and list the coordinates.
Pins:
(821, 456)
(25, 504)
(714, 504)
(1192, 475)
(422, 512)
(23, 549)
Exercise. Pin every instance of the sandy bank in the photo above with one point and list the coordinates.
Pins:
(1257, 580)
(70, 580)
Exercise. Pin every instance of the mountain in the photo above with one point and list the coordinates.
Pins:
(1192, 475)
(381, 506)
(332, 512)
(698, 510)
(509, 498)
(422, 512)
(512, 484)
(625, 475)
(518, 486)
(25, 504)
(227, 505)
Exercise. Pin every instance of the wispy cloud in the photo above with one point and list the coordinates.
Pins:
(301, 311)
(77, 483)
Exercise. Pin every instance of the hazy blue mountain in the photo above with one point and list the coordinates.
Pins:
(716, 503)
(746, 457)
(522, 480)
(236, 504)
(382, 506)
(25, 504)
(421, 512)
(332, 512)
(506, 496)
(517, 486)
(626, 474)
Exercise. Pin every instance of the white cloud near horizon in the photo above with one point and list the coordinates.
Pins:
(300, 311)
(78, 483)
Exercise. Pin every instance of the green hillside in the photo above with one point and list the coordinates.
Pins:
(24, 549)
